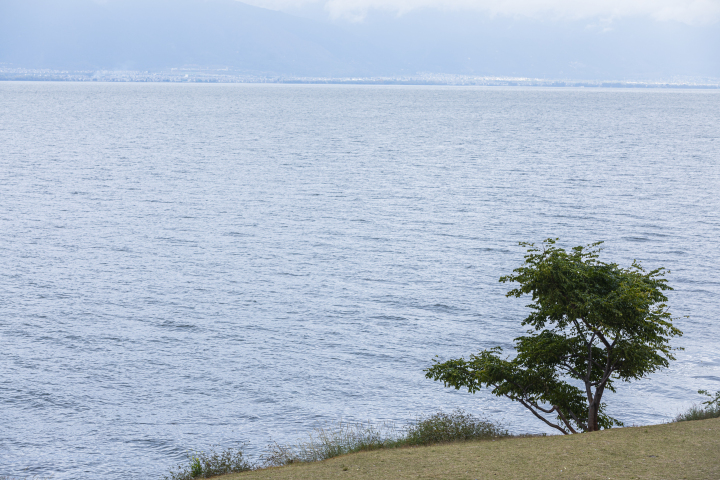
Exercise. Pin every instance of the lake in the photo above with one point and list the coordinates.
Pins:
(192, 265)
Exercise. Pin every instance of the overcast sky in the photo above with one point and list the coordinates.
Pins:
(685, 11)
(553, 39)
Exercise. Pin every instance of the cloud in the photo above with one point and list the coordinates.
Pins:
(685, 11)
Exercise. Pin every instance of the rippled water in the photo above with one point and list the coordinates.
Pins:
(186, 265)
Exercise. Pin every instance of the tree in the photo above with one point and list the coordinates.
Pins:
(593, 324)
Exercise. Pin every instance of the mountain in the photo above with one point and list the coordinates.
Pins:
(159, 34)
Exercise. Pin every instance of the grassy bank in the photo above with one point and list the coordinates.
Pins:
(341, 439)
(684, 450)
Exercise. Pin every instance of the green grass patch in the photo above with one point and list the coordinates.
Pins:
(211, 464)
(698, 412)
(711, 409)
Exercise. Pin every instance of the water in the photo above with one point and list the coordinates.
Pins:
(188, 265)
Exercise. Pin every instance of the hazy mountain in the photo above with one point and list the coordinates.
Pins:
(157, 34)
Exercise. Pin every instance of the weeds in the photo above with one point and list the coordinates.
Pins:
(451, 427)
(328, 442)
(205, 465)
(698, 412)
(342, 438)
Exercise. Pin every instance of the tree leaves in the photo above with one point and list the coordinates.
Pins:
(592, 323)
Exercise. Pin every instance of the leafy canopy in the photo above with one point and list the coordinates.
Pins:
(591, 324)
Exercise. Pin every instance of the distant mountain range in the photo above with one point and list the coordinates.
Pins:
(161, 34)
(157, 34)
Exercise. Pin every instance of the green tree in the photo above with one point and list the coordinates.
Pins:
(593, 324)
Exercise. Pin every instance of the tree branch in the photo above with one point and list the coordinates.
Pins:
(571, 369)
(565, 420)
(577, 325)
(603, 339)
(598, 333)
(524, 404)
(582, 425)
(534, 404)
(609, 369)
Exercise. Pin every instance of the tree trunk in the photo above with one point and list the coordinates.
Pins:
(593, 409)
(593, 417)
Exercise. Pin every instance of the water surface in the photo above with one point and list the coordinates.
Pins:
(188, 265)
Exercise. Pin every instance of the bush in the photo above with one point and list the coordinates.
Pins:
(341, 439)
(204, 465)
(451, 427)
(698, 412)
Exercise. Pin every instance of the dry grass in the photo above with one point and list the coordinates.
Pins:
(343, 438)
(685, 450)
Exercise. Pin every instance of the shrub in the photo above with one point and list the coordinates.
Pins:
(451, 427)
(341, 438)
(698, 412)
(204, 465)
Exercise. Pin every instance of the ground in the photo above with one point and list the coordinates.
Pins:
(685, 450)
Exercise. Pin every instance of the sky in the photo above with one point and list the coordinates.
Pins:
(691, 12)
(625, 40)
(588, 39)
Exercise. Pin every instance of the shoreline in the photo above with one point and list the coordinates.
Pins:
(683, 450)
(225, 76)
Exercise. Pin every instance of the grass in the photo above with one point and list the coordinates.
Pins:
(440, 429)
(211, 464)
(341, 439)
(329, 442)
(698, 412)
(684, 450)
